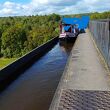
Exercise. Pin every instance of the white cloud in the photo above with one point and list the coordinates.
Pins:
(7, 11)
(8, 4)
(53, 6)
(69, 6)
(13, 9)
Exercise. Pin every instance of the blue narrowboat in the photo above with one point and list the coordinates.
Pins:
(69, 28)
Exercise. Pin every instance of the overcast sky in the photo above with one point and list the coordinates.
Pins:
(33, 7)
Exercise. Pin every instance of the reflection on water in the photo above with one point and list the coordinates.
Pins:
(35, 88)
(66, 47)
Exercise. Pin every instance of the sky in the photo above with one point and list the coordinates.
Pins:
(42, 7)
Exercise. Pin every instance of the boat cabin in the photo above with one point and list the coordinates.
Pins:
(68, 28)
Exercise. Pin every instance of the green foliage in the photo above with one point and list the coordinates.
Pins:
(19, 35)
(93, 16)
(6, 61)
(0, 43)
(13, 41)
(104, 15)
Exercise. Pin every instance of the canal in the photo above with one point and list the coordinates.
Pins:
(35, 87)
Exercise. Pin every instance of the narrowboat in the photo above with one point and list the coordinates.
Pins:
(69, 29)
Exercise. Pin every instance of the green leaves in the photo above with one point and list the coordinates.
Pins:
(104, 15)
(12, 41)
(19, 35)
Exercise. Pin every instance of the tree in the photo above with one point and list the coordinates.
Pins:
(20, 35)
(0, 42)
(12, 41)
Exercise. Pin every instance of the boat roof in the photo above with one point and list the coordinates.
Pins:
(71, 21)
(66, 28)
(80, 22)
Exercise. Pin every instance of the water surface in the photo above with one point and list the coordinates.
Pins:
(34, 89)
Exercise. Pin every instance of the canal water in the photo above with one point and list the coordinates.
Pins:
(34, 89)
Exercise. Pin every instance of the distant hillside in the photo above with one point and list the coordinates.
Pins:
(93, 16)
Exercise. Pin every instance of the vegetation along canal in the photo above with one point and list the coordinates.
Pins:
(34, 89)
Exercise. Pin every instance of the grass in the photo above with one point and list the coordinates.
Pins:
(6, 61)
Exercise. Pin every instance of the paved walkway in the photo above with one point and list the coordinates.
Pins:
(85, 69)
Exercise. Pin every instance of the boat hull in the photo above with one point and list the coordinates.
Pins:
(67, 39)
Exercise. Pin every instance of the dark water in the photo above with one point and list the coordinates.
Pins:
(35, 88)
